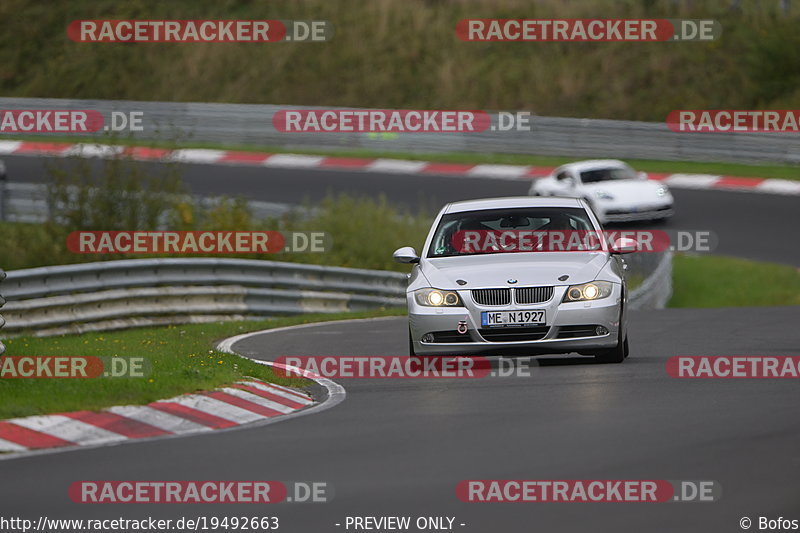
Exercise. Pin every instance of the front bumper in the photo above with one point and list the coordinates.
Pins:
(561, 319)
(617, 214)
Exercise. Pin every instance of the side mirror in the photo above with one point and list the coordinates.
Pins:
(642, 175)
(406, 254)
(569, 181)
(624, 245)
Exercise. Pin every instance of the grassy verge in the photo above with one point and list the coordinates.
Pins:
(791, 172)
(181, 358)
(712, 281)
(405, 53)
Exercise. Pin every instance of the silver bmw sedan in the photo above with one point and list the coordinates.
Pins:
(517, 276)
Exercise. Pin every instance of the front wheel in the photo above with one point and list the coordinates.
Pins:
(617, 354)
(411, 352)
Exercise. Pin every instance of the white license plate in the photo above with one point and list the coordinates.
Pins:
(529, 317)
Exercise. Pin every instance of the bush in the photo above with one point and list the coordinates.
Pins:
(123, 196)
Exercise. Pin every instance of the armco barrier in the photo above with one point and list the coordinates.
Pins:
(115, 294)
(140, 292)
(656, 289)
(2, 302)
(27, 202)
(251, 124)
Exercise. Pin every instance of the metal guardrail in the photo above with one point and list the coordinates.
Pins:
(23, 202)
(2, 302)
(656, 289)
(142, 292)
(27, 202)
(251, 124)
(134, 292)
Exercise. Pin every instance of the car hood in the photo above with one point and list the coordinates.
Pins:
(494, 270)
(627, 190)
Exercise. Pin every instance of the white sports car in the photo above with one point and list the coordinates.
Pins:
(615, 192)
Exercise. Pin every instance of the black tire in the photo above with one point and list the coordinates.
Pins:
(616, 354)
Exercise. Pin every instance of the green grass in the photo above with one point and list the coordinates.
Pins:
(790, 172)
(713, 281)
(405, 54)
(182, 359)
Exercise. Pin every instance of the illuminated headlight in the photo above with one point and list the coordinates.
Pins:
(603, 195)
(438, 298)
(588, 291)
(662, 191)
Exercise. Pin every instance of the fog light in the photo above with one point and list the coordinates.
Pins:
(600, 330)
(428, 337)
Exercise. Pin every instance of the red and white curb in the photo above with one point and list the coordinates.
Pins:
(392, 166)
(245, 402)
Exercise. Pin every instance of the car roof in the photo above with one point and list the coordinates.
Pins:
(593, 164)
(510, 202)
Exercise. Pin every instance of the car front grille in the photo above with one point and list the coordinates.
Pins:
(533, 295)
(522, 295)
(492, 296)
(514, 334)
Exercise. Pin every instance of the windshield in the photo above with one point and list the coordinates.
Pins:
(607, 174)
(506, 230)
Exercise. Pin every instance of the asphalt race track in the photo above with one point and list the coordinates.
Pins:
(399, 447)
(750, 225)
